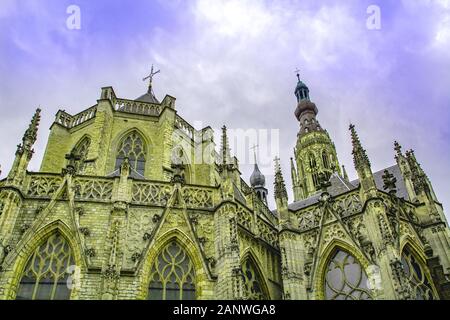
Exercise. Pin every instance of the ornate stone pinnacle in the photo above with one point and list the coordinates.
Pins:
(226, 158)
(280, 187)
(360, 157)
(398, 148)
(30, 135)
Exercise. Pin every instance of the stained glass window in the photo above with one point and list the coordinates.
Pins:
(345, 279)
(417, 277)
(172, 276)
(132, 147)
(45, 276)
(82, 150)
(252, 282)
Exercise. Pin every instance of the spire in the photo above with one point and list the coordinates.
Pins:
(30, 136)
(301, 90)
(280, 187)
(419, 177)
(306, 110)
(257, 179)
(360, 157)
(293, 172)
(225, 150)
(344, 172)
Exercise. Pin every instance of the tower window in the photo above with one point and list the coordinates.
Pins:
(325, 161)
(133, 148)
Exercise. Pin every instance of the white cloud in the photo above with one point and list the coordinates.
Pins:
(233, 63)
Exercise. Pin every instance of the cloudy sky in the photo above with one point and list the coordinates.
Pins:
(232, 62)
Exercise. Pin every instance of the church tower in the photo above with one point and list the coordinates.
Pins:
(315, 152)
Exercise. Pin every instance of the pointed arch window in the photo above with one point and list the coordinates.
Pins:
(417, 276)
(313, 167)
(172, 276)
(133, 148)
(326, 163)
(81, 150)
(345, 278)
(45, 276)
(253, 281)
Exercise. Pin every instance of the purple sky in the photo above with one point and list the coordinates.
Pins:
(232, 62)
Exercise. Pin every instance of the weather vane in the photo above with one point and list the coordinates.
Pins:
(150, 77)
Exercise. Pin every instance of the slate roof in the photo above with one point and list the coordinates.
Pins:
(339, 186)
(149, 97)
(400, 184)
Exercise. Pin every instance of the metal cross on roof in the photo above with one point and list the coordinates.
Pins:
(150, 76)
(255, 146)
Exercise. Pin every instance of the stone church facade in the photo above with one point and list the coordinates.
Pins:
(132, 202)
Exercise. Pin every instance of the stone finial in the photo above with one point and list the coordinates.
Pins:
(30, 135)
(398, 149)
(225, 150)
(389, 182)
(178, 173)
(71, 167)
(360, 157)
(125, 167)
(344, 172)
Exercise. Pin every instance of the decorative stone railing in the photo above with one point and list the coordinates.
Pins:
(265, 211)
(93, 189)
(266, 231)
(69, 121)
(153, 193)
(246, 190)
(198, 197)
(244, 217)
(185, 127)
(43, 185)
(345, 205)
(136, 107)
(86, 188)
(150, 193)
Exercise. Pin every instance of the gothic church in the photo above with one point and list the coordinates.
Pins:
(132, 202)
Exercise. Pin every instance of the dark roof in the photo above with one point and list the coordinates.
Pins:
(339, 186)
(149, 97)
(400, 184)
